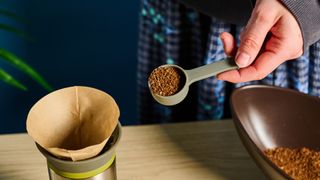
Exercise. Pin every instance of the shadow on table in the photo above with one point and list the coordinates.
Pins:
(216, 146)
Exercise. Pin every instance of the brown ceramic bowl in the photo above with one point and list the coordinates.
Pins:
(268, 117)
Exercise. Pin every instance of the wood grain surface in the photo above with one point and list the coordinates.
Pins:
(187, 151)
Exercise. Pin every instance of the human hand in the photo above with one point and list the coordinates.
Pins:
(271, 37)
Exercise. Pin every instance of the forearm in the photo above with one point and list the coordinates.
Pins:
(307, 13)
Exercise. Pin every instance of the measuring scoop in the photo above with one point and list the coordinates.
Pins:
(192, 76)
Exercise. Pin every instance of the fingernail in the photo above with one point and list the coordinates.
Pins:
(242, 59)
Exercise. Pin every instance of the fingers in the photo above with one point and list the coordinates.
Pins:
(284, 42)
(229, 44)
(264, 65)
(253, 37)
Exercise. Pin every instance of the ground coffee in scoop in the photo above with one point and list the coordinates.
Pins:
(166, 81)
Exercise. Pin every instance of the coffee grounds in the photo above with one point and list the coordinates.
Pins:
(166, 81)
(300, 163)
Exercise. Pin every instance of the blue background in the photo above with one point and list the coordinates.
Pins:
(91, 43)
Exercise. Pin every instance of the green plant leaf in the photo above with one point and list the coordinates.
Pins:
(15, 31)
(12, 15)
(7, 78)
(24, 67)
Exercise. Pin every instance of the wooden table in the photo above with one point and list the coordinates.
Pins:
(195, 151)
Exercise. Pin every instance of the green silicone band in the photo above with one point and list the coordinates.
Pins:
(83, 175)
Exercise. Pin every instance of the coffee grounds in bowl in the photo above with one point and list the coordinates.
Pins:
(300, 163)
(166, 81)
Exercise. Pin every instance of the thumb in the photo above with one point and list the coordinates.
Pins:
(252, 38)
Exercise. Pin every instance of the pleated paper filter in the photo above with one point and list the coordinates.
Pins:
(73, 123)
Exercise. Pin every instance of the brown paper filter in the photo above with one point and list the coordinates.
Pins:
(73, 123)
